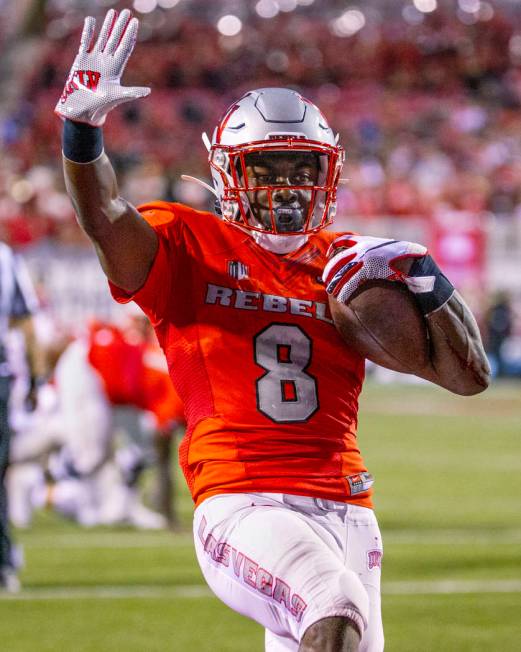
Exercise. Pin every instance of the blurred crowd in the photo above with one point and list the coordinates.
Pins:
(426, 104)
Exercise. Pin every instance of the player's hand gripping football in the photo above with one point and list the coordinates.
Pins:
(355, 259)
(93, 86)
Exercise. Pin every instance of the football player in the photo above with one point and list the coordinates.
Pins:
(283, 526)
(101, 381)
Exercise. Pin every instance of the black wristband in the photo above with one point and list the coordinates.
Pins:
(81, 143)
(428, 283)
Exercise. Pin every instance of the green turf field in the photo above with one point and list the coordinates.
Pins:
(448, 496)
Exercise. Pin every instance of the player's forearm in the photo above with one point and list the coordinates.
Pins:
(126, 245)
(458, 360)
(93, 190)
(91, 181)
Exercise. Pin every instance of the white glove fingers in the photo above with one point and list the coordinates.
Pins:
(347, 240)
(106, 28)
(135, 92)
(415, 249)
(89, 25)
(128, 40)
(339, 271)
(371, 244)
(124, 94)
(336, 263)
(349, 282)
(118, 31)
(93, 86)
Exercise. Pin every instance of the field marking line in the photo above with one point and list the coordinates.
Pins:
(434, 404)
(453, 536)
(105, 540)
(445, 587)
(109, 592)
(191, 591)
(136, 540)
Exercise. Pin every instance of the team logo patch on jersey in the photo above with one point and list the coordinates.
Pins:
(360, 482)
(238, 270)
(374, 559)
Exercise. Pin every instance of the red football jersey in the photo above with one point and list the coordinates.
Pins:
(270, 390)
(132, 375)
(117, 361)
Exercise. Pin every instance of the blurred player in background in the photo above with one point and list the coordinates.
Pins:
(284, 530)
(17, 305)
(134, 373)
(110, 380)
(159, 399)
(499, 327)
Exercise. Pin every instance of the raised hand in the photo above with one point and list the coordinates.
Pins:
(93, 86)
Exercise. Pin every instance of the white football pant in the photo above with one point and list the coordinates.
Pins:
(288, 561)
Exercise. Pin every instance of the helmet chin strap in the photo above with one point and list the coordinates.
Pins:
(279, 244)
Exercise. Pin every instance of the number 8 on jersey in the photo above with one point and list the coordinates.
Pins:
(286, 393)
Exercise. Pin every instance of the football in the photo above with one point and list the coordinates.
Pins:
(383, 323)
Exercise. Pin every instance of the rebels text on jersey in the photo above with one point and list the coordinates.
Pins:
(269, 388)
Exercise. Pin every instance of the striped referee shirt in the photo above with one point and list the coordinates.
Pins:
(17, 296)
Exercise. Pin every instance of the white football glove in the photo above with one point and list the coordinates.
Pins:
(364, 258)
(93, 86)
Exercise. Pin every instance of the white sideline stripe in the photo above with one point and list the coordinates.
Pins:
(417, 537)
(110, 592)
(453, 537)
(440, 587)
(451, 586)
(90, 540)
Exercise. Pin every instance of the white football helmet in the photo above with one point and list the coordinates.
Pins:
(275, 124)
